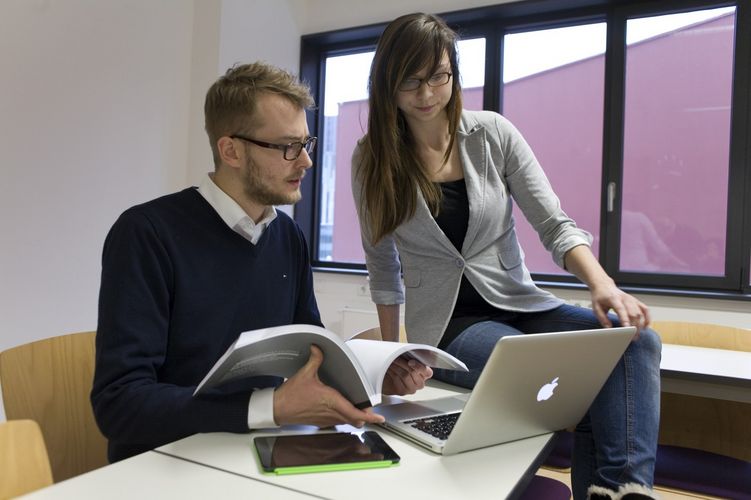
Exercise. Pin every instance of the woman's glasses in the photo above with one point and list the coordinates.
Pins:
(435, 80)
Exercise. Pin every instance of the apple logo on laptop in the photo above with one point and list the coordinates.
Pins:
(546, 391)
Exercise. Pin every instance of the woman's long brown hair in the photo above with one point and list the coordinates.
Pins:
(390, 171)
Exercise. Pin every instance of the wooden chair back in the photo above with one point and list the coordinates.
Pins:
(49, 381)
(707, 424)
(24, 466)
(703, 335)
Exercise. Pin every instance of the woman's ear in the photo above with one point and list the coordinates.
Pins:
(229, 153)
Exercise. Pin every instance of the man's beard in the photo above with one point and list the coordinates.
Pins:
(257, 188)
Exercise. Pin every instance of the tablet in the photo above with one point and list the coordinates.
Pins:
(303, 453)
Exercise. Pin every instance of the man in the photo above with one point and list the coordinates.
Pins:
(185, 274)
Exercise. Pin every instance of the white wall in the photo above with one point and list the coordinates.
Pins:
(346, 308)
(328, 15)
(204, 69)
(101, 107)
(229, 32)
(93, 119)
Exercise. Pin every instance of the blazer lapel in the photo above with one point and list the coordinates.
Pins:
(424, 223)
(473, 153)
(474, 157)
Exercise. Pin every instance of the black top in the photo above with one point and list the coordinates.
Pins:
(178, 287)
(453, 219)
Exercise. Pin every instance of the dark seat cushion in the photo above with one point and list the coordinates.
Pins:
(682, 468)
(560, 456)
(545, 488)
(703, 472)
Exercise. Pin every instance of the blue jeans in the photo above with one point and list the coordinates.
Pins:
(616, 441)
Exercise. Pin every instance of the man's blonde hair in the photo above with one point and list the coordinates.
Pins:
(231, 100)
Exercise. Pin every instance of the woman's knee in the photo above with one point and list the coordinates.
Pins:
(650, 340)
(647, 346)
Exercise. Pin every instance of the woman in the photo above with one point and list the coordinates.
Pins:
(433, 186)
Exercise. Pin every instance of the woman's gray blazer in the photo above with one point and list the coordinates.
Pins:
(497, 162)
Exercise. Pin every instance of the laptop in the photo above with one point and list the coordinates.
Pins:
(531, 385)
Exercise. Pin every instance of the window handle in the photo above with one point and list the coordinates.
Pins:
(611, 196)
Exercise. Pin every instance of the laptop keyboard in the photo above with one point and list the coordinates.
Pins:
(439, 426)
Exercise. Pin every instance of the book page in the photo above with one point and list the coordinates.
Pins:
(376, 356)
(282, 351)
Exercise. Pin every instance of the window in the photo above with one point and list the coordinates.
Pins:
(676, 142)
(553, 92)
(345, 113)
(638, 112)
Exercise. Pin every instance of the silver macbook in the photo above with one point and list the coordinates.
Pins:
(531, 384)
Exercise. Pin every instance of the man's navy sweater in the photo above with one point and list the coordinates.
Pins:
(178, 287)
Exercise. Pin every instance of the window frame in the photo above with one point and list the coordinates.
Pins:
(492, 23)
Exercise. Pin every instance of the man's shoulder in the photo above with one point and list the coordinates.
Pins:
(186, 200)
(170, 210)
(181, 198)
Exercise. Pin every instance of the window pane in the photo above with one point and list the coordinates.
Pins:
(676, 142)
(472, 67)
(553, 92)
(345, 121)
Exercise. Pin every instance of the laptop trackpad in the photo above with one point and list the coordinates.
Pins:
(417, 409)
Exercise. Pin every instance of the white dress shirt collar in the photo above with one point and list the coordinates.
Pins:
(232, 214)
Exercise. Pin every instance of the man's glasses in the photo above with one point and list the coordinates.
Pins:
(435, 80)
(291, 151)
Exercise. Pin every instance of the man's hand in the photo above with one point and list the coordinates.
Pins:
(304, 399)
(630, 311)
(405, 377)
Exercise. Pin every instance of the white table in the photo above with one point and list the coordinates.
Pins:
(154, 475)
(487, 473)
(220, 465)
(223, 465)
(492, 472)
(706, 372)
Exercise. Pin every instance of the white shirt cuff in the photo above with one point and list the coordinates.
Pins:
(261, 409)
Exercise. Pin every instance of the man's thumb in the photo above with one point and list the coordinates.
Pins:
(315, 359)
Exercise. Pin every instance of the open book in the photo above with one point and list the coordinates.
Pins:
(355, 367)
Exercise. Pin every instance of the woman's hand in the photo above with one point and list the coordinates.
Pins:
(630, 310)
(405, 377)
(605, 295)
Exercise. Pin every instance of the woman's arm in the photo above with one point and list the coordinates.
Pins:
(388, 319)
(605, 295)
